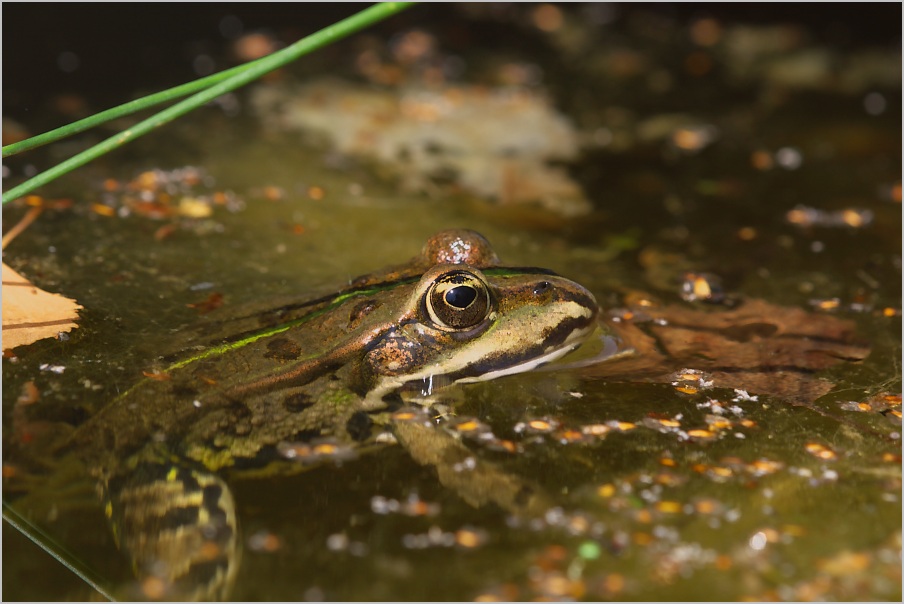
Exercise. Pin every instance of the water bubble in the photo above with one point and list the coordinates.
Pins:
(789, 158)
(68, 61)
(874, 103)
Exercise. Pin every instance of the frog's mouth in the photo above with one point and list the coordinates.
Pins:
(573, 341)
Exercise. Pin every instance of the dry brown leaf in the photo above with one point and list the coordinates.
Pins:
(31, 314)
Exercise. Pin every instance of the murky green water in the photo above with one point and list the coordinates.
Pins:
(656, 493)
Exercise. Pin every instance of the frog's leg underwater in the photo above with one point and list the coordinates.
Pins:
(178, 526)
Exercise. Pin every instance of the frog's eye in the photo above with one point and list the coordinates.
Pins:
(458, 300)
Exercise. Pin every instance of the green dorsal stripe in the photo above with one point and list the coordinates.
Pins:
(337, 300)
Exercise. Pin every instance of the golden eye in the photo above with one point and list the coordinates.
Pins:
(458, 300)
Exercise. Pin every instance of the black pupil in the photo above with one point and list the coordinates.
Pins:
(461, 296)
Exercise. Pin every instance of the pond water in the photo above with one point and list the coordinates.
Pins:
(763, 158)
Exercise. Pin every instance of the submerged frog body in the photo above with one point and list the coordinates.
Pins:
(327, 373)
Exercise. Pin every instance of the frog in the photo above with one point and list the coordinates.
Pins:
(351, 371)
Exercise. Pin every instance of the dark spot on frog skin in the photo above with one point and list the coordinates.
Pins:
(359, 425)
(361, 310)
(282, 349)
(298, 402)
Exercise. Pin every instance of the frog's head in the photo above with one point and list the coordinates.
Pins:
(464, 324)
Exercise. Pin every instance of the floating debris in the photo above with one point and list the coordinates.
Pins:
(821, 451)
(263, 541)
(853, 218)
(537, 426)
(702, 435)
(744, 396)
(340, 542)
(704, 287)
(161, 194)
(469, 426)
(317, 450)
(691, 381)
(618, 315)
(466, 538)
(412, 506)
(412, 414)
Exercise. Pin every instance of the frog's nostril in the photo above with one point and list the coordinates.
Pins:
(542, 287)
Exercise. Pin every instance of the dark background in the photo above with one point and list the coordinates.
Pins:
(128, 47)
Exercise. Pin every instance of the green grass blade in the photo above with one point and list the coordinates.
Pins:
(144, 102)
(246, 73)
(54, 549)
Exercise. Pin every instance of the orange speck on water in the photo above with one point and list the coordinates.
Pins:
(468, 538)
(271, 543)
(644, 516)
(508, 445)
(548, 17)
(159, 376)
(273, 193)
(643, 538)
(706, 506)
(325, 449)
(297, 229)
(722, 562)
(719, 423)
(703, 434)
(153, 588)
(766, 466)
(762, 160)
(698, 63)
(625, 426)
(606, 490)
(468, 426)
(99, 208)
(209, 550)
(668, 507)
(852, 218)
(145, 180)
(9, 470)
(539, 424)
(596, 429)
(29, 395)
(316, 193)
(111, 185)
(686, 389)
(820, 451)
(747, 233)
(667, 461)
(830, 304)
(614, 583)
